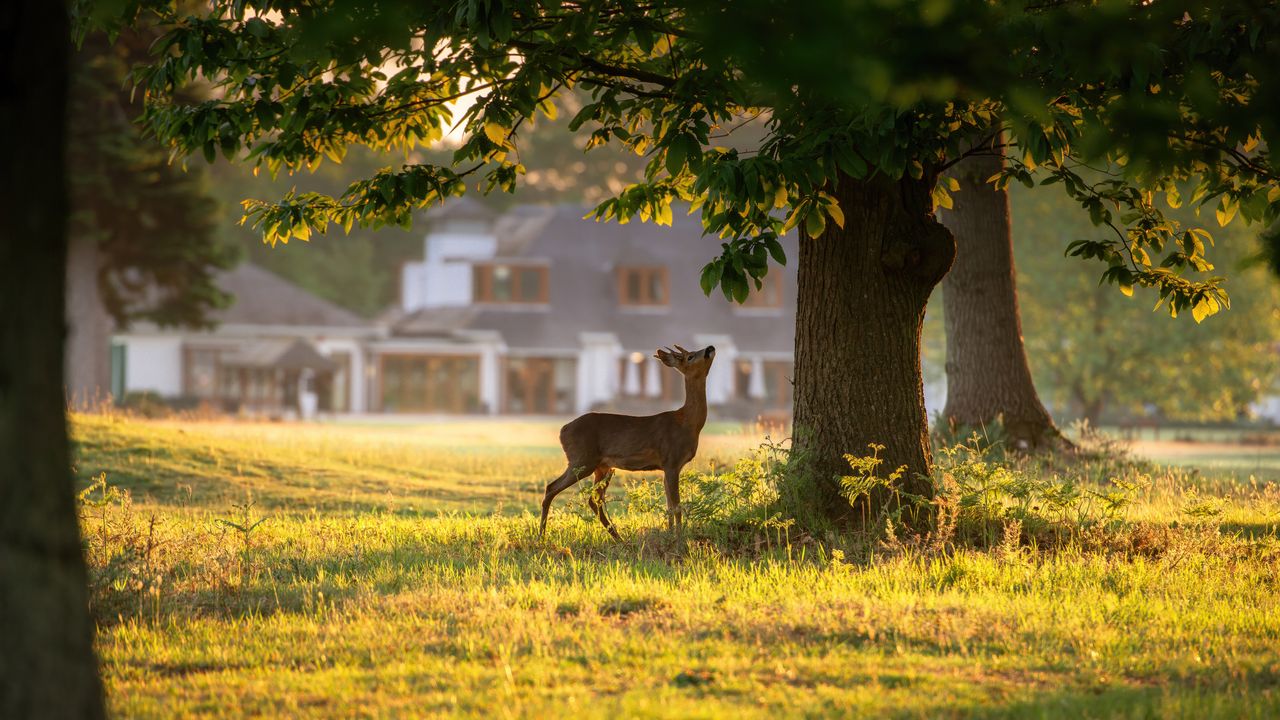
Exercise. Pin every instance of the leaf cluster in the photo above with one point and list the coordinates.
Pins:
(844, 92)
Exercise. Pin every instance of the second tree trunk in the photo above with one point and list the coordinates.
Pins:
(988, 378)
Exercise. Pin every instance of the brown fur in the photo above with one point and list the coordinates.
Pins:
(597, 443)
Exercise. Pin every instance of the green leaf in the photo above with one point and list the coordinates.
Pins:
(815, 224)
(1226, 211)
(1207, 306)
(675, 157)
(836, 214)
(711, 273)
(496, 133)
(775, 249)
(740, 290)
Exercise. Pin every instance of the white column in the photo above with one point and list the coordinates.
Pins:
(756, 389)
(356, 382)
(631, 383)
(490, 382)
(652, 378)
(597, 369)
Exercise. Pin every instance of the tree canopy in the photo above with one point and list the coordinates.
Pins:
(1166, 93)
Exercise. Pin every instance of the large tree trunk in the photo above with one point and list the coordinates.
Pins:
(987, 373)
(47, 665)
(862, 294)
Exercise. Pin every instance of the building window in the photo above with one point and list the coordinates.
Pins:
(502, 283)
(776, 379)
(768, 296)
(430, 383)
(200, 368)
(540, 385)
(642, 286)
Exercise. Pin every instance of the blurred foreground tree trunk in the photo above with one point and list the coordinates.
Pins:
(47, 665)
(987, 373)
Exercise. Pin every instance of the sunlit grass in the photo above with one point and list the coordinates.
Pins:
(381, 584)
(469, 466)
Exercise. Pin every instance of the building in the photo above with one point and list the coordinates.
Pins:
(532, 311)
(278, 350)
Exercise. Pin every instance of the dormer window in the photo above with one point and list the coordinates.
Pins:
(642, 286)
(506, 283)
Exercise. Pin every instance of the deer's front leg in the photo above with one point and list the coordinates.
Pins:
(675, 516)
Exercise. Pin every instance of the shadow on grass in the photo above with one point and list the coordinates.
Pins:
(1250, 530)
(1217, 695)
(213, 574)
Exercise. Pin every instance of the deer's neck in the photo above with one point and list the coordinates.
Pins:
(694, 411)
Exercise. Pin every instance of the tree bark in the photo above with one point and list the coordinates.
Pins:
(860, 310)
(987, 373)
(47, 665)
(88, 377)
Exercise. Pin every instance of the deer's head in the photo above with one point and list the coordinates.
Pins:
(695, 363)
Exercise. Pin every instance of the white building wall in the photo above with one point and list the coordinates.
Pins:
(448, 285)
(446, 245)
(597, 369)
(444, 278)
(1267, 408)
(413, 286)
(152, 364)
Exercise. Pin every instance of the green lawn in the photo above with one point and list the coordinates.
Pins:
(398, 573)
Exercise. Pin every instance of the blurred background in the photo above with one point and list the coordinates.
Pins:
(507, 305)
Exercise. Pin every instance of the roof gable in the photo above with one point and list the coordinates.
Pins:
(263, 298)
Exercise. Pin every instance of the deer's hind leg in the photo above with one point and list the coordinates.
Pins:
(595, 499)
(571, 475)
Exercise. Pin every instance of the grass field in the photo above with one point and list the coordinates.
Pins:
(396, 572)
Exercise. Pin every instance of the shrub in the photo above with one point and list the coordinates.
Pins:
(981, 498)
(743, 501)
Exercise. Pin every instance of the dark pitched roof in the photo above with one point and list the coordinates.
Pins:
(583, 256)
(264, 298)
(280, 354)
(435, 321)
(463, 208)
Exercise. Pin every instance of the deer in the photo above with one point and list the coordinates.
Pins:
(598, 443)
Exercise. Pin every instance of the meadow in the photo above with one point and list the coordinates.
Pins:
(279, 570)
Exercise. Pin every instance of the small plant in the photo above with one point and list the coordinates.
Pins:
(245, 524)
(1199, 509)
(97, 502)
(868, 491)
(122, 558)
